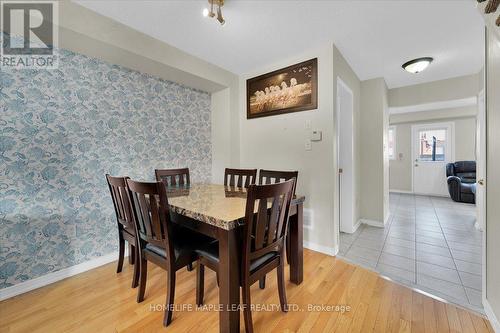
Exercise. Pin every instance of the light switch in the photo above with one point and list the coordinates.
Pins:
(308, 124)
(308, 145)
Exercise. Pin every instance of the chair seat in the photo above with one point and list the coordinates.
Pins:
(129, 231)
(211, 252)
(468, 188)
(185, 243)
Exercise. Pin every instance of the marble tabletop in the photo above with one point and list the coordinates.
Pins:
(218, 205)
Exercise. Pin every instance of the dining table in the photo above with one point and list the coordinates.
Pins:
(218, 211)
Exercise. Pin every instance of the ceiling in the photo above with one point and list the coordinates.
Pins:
(375, 37)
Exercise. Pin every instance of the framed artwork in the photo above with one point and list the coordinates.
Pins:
(290, 89)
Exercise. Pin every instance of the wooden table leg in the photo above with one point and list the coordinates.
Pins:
(296, 245)
(229, 281)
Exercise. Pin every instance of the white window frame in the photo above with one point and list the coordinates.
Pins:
(449, 156)
(394, 150)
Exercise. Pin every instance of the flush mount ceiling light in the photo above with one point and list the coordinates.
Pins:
(210, 12)
(417, 65)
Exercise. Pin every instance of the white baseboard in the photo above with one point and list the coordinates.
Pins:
(495, 323)
(50, 278)
(373, 223)
(332, 251)
(401, 191)
(432, 195)
(356, 226)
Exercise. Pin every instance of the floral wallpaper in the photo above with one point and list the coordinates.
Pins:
(61, 131)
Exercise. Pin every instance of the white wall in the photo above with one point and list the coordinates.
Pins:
(221, 138)
(437, 91)
(374, 186)
(400, 170)
(493, 179)
(278, 142)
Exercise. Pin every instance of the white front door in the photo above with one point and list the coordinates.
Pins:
(481, 163)
(433, 148)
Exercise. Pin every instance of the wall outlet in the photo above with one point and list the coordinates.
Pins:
(308, 219)
(308, 124)
(308, 145)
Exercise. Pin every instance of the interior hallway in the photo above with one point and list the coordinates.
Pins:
(429, 243)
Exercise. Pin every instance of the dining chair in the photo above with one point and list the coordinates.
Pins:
(126, 229)
(263, 237)
(272, 177)
(169, 246)
(239, 177)
(173, 177)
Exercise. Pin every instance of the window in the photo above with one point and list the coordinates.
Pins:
(391, 143)
(432, 145)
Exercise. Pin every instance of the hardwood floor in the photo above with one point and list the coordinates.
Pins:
(102, 301)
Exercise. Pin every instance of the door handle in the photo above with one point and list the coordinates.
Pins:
(481, 182)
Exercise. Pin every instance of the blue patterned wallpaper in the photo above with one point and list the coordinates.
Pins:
(61, 131)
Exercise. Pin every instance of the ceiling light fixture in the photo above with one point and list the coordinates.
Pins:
(210, 12)
(417, 65)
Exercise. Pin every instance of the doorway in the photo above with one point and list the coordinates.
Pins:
(432, 148)
(345, 155)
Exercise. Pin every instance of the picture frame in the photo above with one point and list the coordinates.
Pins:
(290, 89)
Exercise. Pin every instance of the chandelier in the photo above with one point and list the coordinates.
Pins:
(210, 12)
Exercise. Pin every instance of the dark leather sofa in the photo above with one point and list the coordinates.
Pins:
(462, 181)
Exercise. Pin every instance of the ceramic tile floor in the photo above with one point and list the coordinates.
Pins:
(429, 243)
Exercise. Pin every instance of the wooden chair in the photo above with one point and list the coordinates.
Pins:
(239, 177)
(263, 243)
(126, 229)
(159, 241)
(173, 177)
(273, 177)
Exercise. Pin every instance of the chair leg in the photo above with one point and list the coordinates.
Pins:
(262, 283)
(131, 254)
(167, 319)
(200, 283)
(217, 278)
(247, 311)
(121, 254)
(142, 279)
(135, 279)
(189, 267)
(287, 246)
(281, 285)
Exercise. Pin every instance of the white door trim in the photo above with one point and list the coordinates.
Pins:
(414, 128)
(344, 179)
(481, 104)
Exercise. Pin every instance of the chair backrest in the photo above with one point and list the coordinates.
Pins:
(240, 177)
(119, 194)
(459, 167)
(151, 214)
(265, 231)
(173, 177)
(272, 177)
